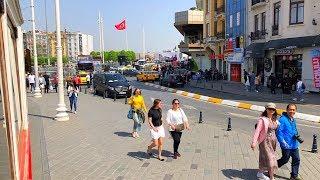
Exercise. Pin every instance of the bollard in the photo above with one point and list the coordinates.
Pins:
(229, 124)
(115, 97)
(85, 90)
(221, 87)
(200, 118)
(314, 144)
(126, 100)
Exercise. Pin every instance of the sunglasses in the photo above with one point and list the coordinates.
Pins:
(271, 109)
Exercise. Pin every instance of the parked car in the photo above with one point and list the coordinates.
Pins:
(172, 80)
(131, 72)
(111, 84)
(148, 76)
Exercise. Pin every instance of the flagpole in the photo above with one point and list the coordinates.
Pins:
(102, 39)
(143, 43)
(127, 40)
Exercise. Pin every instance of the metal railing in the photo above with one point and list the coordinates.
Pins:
(254, 2)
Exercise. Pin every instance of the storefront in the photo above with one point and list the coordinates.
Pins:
(288, 64)
(254, 58)
(235, 60)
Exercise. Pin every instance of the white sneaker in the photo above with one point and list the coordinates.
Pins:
(262, 176)
(75, 112)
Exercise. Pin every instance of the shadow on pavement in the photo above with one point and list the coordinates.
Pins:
(236, 174)
(41, 116)
(123, 134)
(140, 155)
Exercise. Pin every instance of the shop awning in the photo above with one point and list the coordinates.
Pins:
(255, 50)
(299, 42)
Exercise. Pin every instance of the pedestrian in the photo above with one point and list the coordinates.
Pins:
(139, 108)
(247, 84)
(156, 127)
(42, 83)
(73, 97)
(273, 83)
(32, 80)
(265, 137)
(55, 82)
(257, 82)
(252, 80)
(177, 121)
(27, 81)
(47, 82)
(289, 140)
(88, 79)
(300, 89)
(245, 75)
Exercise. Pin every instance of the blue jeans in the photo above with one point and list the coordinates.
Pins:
(136, 122)
(294, 154)
(73, 102)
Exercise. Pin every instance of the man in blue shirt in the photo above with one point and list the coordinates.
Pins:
(286, 134)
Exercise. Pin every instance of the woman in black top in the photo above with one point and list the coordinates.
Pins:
(156, 127)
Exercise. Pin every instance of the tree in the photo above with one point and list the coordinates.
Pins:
(194, 65)
(131, 56)
(113, 56)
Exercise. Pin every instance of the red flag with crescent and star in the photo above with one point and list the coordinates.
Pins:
(121, 26)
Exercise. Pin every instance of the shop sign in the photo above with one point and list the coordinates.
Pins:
(284, 51)
(315, 55)
(236, 57)
(218, 56)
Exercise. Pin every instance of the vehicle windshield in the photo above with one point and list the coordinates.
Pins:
(115, 78)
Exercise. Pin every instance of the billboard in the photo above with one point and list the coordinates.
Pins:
(315, 57)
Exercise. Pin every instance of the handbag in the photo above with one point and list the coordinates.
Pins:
(179, 127)
(130, 114)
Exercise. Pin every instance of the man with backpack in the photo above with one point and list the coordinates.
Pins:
(301, 87)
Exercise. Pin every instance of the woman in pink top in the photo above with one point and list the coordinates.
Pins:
(265, 137)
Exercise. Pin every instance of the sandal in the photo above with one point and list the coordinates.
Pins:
(161, 159)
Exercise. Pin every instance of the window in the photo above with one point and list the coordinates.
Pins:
(238, 18)
(207, 30)
(256, 22)
(263, 21)
(296, 12)
(231, 17)
(276, 14)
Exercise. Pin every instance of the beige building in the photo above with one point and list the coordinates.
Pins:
(214, 33)
(284, 37)
(41, 38)
(53, 44)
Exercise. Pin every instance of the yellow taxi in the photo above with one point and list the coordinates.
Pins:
(148, 76)
(83, 77)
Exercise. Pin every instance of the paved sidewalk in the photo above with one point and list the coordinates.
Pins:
(96, 144)
(236, 91)
(4, 155)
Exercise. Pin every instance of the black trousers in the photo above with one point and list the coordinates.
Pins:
(46, 88)
(176, 136)
(295, 163)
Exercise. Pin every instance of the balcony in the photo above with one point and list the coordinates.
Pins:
(220, 11)
(258, 35)
(188, 17)
(257, 3)
(221, 35)
(189, 46)
(275, 30)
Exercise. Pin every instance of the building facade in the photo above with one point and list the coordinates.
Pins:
(43, 47)
(284, 39)
(190, 24)
(235, 37)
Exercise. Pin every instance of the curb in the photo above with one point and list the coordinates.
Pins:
(240, 105)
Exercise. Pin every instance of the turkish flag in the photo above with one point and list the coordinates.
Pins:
(121, 26)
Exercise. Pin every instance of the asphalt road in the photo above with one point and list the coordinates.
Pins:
(242, 120)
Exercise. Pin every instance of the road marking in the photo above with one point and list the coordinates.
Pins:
(255, 118)
(189, 107)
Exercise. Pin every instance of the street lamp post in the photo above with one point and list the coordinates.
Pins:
(61, 115)
(37, 91)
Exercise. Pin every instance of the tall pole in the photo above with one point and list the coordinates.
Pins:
(102, 39)
(127, 46)
(100, 36)
(45, 13)
(143, 43)
(37, 91)
(61, 114)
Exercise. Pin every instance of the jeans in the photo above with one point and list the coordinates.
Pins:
(299, 95)
(294, 154)
(176, 136)
(32, 87)
(136, 122)
(73, 102)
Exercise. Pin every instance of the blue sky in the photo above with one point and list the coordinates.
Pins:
(157, 16)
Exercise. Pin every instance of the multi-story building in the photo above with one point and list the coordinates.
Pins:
(53, 43)
(79, 44)
(41, 37)
(73, 45)
(85, 43)
(284, 39)
(214, 33)
(190, 24)
(235, 36)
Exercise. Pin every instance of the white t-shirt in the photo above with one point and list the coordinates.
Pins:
(31, 78)
(176, 117)
(88, 78)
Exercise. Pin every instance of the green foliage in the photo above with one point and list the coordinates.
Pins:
(194, 65)
(113, 55)
(43, 60)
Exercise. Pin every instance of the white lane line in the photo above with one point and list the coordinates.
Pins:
(189, 107)
(256, 118)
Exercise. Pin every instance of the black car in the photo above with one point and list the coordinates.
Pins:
(172, 80)
(111, 84)
(130, 72)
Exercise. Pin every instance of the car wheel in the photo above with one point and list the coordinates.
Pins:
(105, 94)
